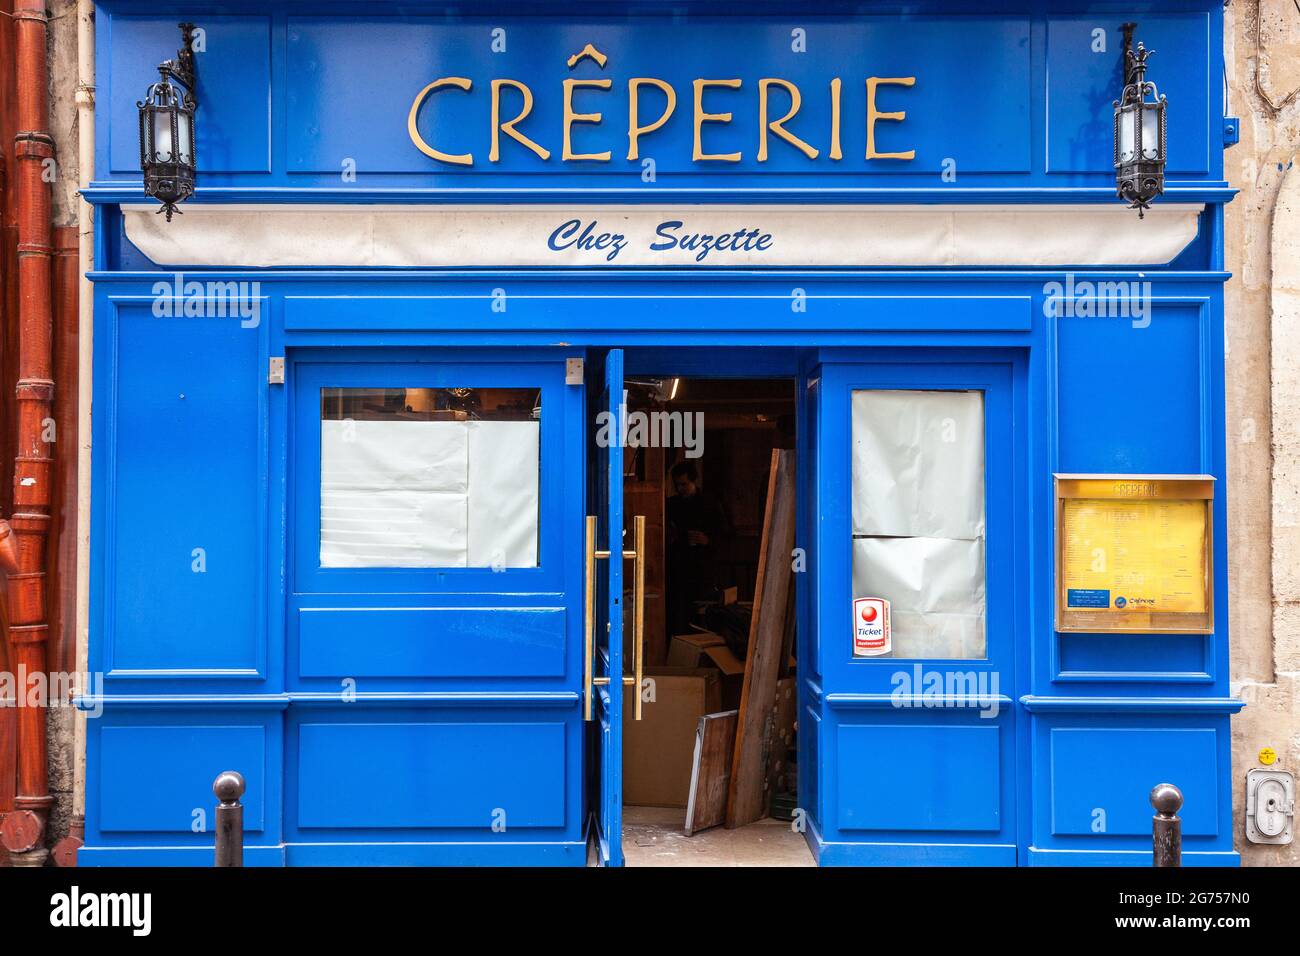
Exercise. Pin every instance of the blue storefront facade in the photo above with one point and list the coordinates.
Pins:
(934, 216)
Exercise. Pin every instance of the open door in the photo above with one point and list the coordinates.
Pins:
(603, 677)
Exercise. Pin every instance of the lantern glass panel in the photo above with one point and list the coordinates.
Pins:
(162, 136)
(1151, 133)
(1125, 130)
(185, 131)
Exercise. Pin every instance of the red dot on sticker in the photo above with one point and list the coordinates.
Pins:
(868, 613)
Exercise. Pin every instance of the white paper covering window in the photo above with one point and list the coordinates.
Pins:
(435, 494)
(918, 517)
(503, 474)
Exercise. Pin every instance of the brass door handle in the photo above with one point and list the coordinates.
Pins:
(638, 614)
(589, 620)
(589, 679)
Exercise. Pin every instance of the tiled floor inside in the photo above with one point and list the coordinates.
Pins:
(652, 836)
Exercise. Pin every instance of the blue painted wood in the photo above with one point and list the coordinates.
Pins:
(1108, 430)
(186, 537)
(950, 797)
(193, 756)
(491, 779)
(1216, 192)
(293, 88)
(765, 309)
(1087, 802)
(150, 773)
(224, 661)
(952, 782)
(1132, 704)
(1082, 79)
(607, 498)
(431, 642)
(1173, 658)
(234, 79)
(1096, 769)
(1048, 857)
(101, 856)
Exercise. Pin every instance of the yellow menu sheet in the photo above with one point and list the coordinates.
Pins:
(1126, 555)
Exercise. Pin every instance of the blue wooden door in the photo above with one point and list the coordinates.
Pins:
(604, 613)
(434, 619)
(908, 744)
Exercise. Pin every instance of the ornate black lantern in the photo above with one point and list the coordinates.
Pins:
(167, 129)
(1139, 131)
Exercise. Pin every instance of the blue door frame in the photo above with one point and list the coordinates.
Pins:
(606, 711)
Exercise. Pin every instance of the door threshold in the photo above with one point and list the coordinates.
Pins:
(654, 836)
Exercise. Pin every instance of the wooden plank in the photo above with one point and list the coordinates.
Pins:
(746, 800)
(706, 806)
(787, 668)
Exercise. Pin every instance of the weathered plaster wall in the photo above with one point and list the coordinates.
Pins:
(1262, 54)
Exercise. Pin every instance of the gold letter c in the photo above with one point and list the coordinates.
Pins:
(463, 159)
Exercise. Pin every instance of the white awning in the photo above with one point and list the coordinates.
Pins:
(647, 236)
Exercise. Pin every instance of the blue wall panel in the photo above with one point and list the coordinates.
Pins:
(1132, 396)
(233, 128)
(431, 774)
(919, 777)
(431, 642)
(1003, 99)
(1094, 769)
(1134, 656)
(158, 779)
(959, 87)
(1083, 82)
(186, 517)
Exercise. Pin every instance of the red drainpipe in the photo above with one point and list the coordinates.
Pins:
(22, 832)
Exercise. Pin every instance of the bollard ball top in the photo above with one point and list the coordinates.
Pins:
(1166, 798)
(229, 786)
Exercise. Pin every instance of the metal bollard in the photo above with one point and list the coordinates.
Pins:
(229, 787)
(1166, 827)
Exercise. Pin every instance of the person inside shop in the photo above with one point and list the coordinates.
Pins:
(695, 523)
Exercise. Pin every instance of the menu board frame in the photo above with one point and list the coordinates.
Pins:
(1138, 490)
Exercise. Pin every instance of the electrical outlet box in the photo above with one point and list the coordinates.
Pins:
(1270, 806)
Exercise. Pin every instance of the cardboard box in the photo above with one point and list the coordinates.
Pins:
(659, 748)
(706, 649)
(687, 650)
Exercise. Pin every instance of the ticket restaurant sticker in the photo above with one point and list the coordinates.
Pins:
(870, 627)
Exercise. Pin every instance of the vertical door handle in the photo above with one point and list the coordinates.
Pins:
(589, 679)
(638, 614)
(589, 621)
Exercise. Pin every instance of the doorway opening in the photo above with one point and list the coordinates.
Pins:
(710, 771)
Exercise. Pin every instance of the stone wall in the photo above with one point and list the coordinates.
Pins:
(1262, 55)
